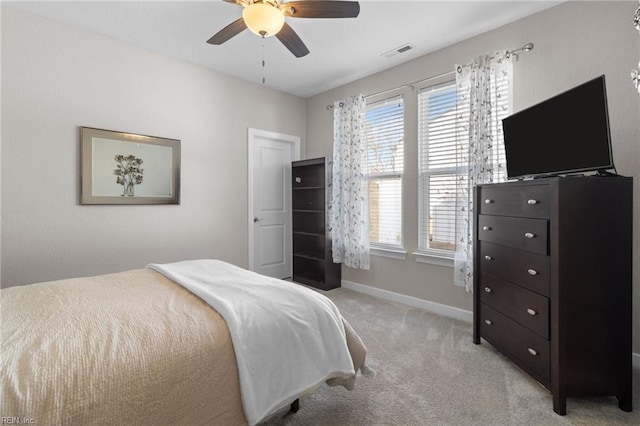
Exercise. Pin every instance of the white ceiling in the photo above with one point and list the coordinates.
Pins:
(342, 50)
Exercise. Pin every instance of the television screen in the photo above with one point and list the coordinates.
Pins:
(568, 133)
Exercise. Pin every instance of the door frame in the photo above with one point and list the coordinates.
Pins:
(253, 137)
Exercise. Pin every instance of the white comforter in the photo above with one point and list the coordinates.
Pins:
(287, 338)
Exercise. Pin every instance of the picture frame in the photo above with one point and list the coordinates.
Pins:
(127, 168)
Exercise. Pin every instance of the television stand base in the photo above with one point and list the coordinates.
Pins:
(607, 173)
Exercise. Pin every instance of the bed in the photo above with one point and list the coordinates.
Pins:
(140, 347)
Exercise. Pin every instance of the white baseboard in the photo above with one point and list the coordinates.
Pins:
(436, 308)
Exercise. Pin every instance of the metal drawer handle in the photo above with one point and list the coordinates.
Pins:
(488, 201)
(488, 322)
(531, 312)
(532, 272)
(486, 228)
(532, 202)
(532, 351)
(488, 258)
(487, 289)
(529, 235)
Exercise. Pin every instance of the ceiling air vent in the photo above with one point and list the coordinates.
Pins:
(402, 49)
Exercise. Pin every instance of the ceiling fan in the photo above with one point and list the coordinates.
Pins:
(267, 18)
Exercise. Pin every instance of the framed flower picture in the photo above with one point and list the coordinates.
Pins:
(126, 168)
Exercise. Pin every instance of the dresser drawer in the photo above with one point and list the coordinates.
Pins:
(521, 201)
(524, 268)
(520, 233)
(524, 306)
(529, 349)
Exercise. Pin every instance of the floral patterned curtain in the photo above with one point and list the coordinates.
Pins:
(635, 74)
(483, 101)
(348, 209)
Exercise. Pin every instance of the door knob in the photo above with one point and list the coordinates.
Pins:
(257, 219)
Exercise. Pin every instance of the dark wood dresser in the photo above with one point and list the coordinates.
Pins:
(552, 281)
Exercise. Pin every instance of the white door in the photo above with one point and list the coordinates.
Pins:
(270, 156)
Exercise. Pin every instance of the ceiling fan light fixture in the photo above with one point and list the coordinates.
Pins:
(263, 19)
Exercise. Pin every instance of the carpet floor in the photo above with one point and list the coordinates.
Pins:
(429, 372)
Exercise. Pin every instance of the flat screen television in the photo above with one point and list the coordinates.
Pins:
(568, 133)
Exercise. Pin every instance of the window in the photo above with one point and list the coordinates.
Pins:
(438, 170)
(384, 168)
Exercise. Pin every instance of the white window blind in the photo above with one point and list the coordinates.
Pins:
(385, 165)
(437, 168)
(438, 108)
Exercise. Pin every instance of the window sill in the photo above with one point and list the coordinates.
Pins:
(389, 252)
(433, 259)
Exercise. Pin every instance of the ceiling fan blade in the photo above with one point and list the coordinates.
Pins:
(231, 30)
(292, 41)
(321, 9)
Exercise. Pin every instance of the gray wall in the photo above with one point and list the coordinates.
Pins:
(56, 78)
(574, 42)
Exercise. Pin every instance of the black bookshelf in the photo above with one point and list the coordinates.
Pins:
(312, 261)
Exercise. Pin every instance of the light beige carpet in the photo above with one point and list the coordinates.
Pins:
(429, 372)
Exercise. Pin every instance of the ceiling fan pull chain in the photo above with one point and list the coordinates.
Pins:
(263, 63)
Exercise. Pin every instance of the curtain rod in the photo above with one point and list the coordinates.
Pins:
(526, 48)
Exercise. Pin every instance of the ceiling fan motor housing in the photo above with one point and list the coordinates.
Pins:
(267, 18)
